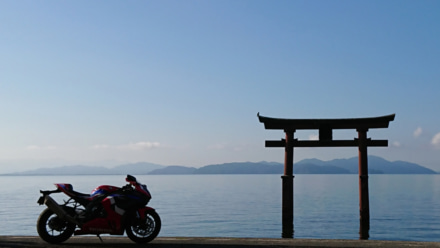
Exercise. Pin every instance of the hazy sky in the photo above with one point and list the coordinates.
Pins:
(181, 82)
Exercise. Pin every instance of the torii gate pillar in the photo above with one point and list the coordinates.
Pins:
(325, 127)
(364, 202)
(287, 187)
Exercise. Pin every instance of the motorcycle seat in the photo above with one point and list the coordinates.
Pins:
(68, 188)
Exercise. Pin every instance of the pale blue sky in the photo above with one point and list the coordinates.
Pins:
(181, 82)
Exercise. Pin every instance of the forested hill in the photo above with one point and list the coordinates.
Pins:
(376, 165)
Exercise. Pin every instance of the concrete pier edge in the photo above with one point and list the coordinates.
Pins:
(213, 242)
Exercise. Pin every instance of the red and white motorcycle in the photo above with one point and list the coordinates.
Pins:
(107, 210)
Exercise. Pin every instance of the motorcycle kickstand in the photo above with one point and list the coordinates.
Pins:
(100, 238)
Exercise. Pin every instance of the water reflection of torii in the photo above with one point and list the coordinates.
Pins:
(325, 127)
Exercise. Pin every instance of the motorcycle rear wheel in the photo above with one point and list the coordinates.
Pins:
(144, 230)
(52, 228)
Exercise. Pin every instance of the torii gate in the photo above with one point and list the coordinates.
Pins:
(325, 127)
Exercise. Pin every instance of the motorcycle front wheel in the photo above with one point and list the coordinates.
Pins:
(144, 230)
(52, 228)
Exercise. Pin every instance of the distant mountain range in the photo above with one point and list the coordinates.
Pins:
(376, 165)
(141, 168)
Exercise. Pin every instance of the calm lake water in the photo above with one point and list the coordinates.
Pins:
(402, 207)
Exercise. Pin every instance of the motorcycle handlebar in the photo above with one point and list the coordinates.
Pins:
(127, 187)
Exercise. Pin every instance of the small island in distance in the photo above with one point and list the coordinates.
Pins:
(376, 165)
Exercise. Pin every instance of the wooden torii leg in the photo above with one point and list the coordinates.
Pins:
(287, 184)
(364, 203)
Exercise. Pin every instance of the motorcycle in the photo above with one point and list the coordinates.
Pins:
(107, 210)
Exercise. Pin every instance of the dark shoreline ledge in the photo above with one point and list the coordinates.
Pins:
(186, 242)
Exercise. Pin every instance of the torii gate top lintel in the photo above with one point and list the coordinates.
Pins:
(347, 123)
(325, 127)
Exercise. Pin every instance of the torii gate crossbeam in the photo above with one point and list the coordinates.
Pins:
(325, 127)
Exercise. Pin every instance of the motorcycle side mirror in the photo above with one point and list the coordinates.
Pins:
(130, 178)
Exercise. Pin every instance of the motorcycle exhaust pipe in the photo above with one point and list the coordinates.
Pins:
(58, 210)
